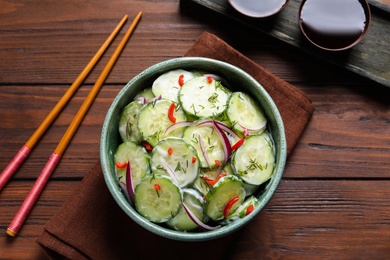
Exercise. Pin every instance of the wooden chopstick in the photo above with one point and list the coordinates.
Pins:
(54, 159)
(26, 149)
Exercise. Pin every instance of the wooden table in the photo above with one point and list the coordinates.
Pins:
(333, 201)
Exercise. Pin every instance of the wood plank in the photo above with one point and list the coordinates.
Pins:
(370, 58)
(24, 107)
(348, 135)
(52, 198)
(321, 219)
(55, 49)
(52, 47)
(303, 216)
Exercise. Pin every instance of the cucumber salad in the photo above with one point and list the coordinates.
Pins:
(194, 153)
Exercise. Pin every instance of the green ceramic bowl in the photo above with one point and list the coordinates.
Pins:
(238, 80)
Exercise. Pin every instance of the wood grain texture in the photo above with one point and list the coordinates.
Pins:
(314, 218)
(333, 199)
(370, 58)
(24, 246)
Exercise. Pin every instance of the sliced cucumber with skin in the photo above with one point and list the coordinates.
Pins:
(208, 138)
(202, 185)
(128, 129)
(153, 120)
(139, 161)
(245, 115)
(168, 84)
(203, 97)
(157, 198)
(242, 210)
(194, 201)
(254, 160)
(170, 186)
(250, 189)
(179, 156)
(145, 94)
(222, 192)
(213, 174)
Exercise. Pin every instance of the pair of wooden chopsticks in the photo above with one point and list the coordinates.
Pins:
(54, 159)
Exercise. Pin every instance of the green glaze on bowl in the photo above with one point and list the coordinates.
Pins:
(237, 80)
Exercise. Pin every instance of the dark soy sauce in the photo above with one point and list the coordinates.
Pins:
(333, 24)
(258, 8)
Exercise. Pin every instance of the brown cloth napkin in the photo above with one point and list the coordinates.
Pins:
(90, 225)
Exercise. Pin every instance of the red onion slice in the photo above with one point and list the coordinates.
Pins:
(141, 99)
(222, 126)
(204, 152)
(206, 123)
(177, 126)
(170, 171)
(124, 189)
(150, 100)
(228, 130)
(129, 183)
(225, 142)
(196, 220)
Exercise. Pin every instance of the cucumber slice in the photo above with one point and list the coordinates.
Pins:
(250, 189)
(179, 156)
(203, 97)
(204, 186)
(245, 115)
(153, 120)
(242, 210)
(138, 158)
(207, 143)
(194, 201)
(128, 129)
(157, 198)
(145, 94)
(168, 84)
(223, 191)
(254, 161)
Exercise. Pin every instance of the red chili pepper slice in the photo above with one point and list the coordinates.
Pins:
(209, 79)
(170, 151)
(213, 182)
(157, 188)
(238, 144)
(217, 162)
(193, 159)
(249, 209)
(147, 146)
(171, 110)
(181, 80)
(121, 165)
(229, 205)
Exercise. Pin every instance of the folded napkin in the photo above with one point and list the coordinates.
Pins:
(90, 225)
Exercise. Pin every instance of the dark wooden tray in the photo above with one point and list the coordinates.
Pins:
(370, 58)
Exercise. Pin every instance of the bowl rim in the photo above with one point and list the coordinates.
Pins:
(118, 196)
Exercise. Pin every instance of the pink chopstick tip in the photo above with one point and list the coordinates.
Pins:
(14, 164)
(33, 195)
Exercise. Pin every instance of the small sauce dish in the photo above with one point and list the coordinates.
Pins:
(334, 25)
(258, 9)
